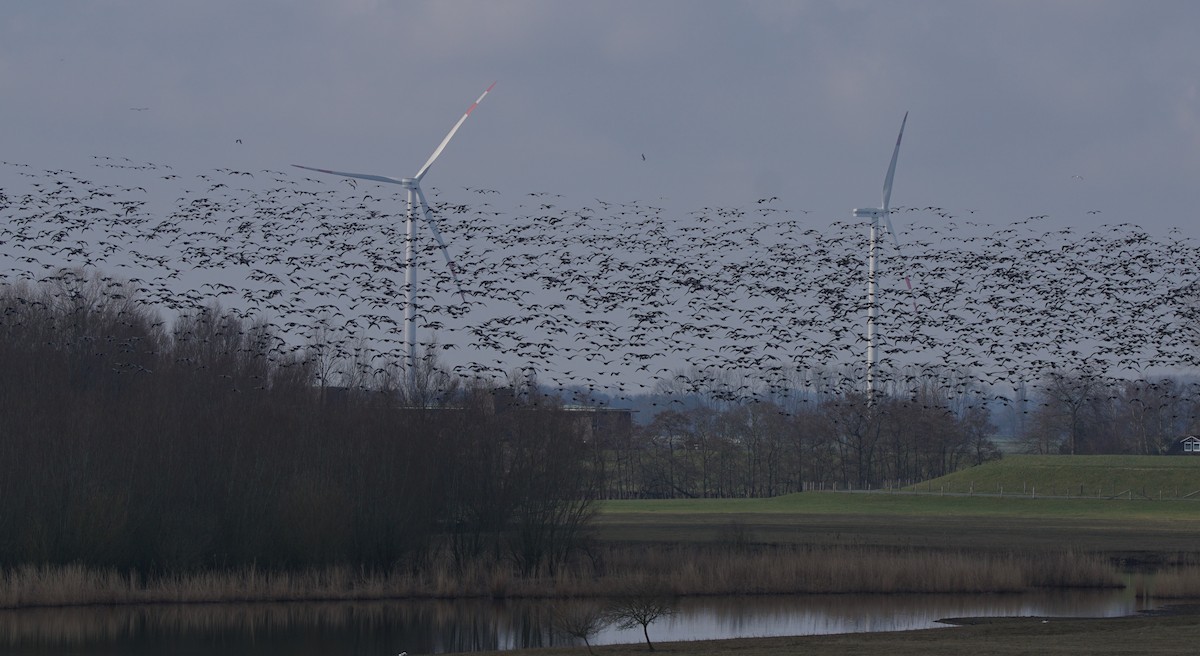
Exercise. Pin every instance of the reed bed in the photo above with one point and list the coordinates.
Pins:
(1172, 583)
(682, 569)
(800, 570)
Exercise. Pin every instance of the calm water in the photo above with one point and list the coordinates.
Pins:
(387, 628)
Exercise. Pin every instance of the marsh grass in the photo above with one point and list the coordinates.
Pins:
(1172, 583)
(796, 570)
(683, 569)
(955, 502)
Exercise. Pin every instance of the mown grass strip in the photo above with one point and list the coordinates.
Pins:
(907, 503)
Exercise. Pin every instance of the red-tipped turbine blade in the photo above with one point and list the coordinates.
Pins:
(441, 146)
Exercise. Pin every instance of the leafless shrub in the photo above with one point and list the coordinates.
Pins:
(641, 603)
(580, 620)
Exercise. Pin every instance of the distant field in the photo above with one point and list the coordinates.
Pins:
(1028, 515)
(915, 504)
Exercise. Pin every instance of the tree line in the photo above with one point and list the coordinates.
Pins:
(131, 443)
(1078, 411)
(926, 429)
(762, 449)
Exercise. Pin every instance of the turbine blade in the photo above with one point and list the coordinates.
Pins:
(891, 172)
(438, 151)
(900, 255)
(428, 214)
(363, 176)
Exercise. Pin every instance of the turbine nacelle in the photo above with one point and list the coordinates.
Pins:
(868, 212)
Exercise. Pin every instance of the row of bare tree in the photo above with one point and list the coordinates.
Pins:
(126, 442)
(761, 450)
(940, 421)
(843, 441)
(1080, 412)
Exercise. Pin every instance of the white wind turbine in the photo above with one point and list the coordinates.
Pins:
(414, 197)
(874, 213)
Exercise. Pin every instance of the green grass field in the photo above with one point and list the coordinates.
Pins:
(914, 503)
(1139, 527)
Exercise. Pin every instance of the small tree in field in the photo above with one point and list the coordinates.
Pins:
(642, 604)
(579, 621)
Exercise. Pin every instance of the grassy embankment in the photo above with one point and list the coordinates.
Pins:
(809, 542)
(1131, 477)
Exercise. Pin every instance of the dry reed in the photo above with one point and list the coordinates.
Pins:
(684, 569)
(1173, 583)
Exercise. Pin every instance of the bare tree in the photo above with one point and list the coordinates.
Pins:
(580, 621)
(1072, 399)
(642, 604)
(856, 432)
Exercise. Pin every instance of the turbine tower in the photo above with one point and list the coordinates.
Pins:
(874, 213)
(415, 198)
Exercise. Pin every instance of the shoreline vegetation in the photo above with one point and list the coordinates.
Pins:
(846, 543)
(811, 543)
(1173, 631)
(683, 570)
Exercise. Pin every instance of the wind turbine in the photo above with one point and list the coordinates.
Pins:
(874, 213)
(414, 198)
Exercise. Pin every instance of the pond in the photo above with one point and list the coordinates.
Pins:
(423, 627)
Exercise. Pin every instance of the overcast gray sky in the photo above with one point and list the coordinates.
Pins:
(1017, 108)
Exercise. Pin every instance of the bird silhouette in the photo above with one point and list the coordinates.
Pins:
(747, 304)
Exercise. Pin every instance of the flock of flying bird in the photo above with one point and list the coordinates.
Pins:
(614, 299)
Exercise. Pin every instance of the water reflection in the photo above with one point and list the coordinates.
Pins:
(294, 628)
(820, 614)
(422, 627)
